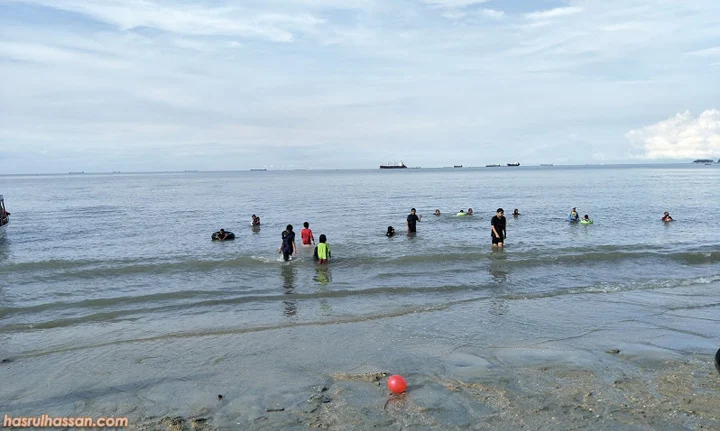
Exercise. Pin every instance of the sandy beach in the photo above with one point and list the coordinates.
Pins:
(636, 360)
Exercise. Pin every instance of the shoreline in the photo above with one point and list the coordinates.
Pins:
(619, 360)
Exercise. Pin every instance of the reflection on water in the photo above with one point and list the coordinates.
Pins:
(323, 277)
(288, 274)
(497, 268)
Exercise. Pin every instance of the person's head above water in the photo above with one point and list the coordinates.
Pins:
(437, 212)
(222, 230)
(289, 228)
(500, 211)
(323, 238)
(666, 214)
(470, 211)
(412, 211)
(306, 224)
(516, 212)
(586, 217)
(461, 211)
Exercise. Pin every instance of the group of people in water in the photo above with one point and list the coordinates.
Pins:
(321, 253)
(498, 226)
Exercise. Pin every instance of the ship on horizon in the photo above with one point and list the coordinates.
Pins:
(393, 165)
(514, 164)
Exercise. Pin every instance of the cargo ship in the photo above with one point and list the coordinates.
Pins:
(393, 165)
(514, 164)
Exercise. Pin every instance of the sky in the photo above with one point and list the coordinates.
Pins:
(152, 85)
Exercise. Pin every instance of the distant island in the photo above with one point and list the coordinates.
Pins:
(705, 161)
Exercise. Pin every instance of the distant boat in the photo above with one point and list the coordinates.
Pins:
(76, 173)
(546, 164)
(493, 166)
(4, 218)
(191, 170)
(393, 165)
(457, 166)
(514, 164)
(258, 170)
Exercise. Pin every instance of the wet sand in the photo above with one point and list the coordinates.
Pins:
(636, 360)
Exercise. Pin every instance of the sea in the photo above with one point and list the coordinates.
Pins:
(92, 259)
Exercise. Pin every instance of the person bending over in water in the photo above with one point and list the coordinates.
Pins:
(322, 251)
(497, 228)
(586, 219)
(666, 217)
(390, 232)
(255, 220)
(516, 212)
(437, 212)
(306, 235)
(287, 248)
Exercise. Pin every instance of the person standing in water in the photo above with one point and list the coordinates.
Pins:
(666, 217)
(497, 228)
(412, 219)
(287, 248)
(322, 251)
(306, 235)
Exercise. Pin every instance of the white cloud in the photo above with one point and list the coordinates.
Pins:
(491, 13)
(553, 13)
(709, 52)
(453, 4)
(191, 20)
(680, 137)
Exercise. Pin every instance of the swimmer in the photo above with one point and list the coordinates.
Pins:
(255, 220)
(586, 219)
(437, 212)
(573, 216)
(470, 212)
(306, 235)
(666, 217)
(390, 232)
(287, 248)
(221, 235)
(516, 212)
(323, 250)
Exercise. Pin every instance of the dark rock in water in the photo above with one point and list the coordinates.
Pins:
(6, 361)
(717, 360)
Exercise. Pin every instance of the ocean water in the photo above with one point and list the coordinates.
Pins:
(91, 260)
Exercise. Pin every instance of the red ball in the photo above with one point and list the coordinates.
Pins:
(397, 384)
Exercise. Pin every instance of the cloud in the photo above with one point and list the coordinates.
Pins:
(190, 19)
(553, 13)
(708, 52)
(680, 137)
(453, 4)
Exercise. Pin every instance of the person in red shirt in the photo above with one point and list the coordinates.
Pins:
(306, 235)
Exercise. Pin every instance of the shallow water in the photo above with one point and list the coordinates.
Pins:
(94, 259)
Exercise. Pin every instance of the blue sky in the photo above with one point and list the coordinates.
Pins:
(132, 85)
